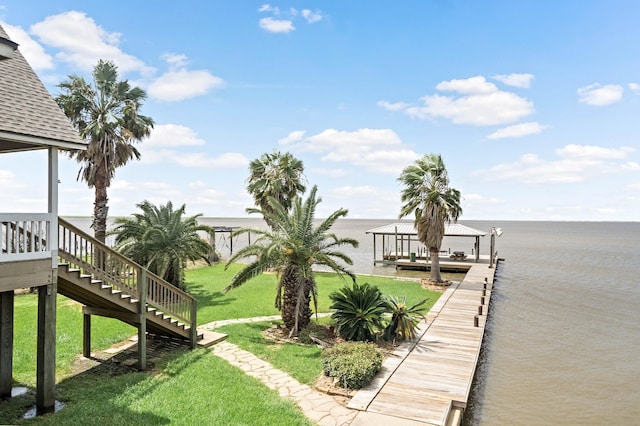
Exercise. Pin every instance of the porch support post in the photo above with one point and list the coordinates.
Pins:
(46, 359)
(6, 343)
(86, 335)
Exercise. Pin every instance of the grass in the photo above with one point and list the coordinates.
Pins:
(104, 333)
(193, 385)
(256, 297)
(302, 362)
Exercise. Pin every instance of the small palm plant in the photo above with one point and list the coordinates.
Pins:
(359, 311)
(162, 240)
(404, 319)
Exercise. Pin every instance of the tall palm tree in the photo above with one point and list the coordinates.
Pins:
(428, 196)
(107, 115)
(292, 246)
(276, 175)
(161, 240)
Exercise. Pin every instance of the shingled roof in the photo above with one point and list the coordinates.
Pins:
(29, 117)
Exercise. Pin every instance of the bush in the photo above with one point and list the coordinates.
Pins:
(359, 311)
(352, 364)
(404, 319)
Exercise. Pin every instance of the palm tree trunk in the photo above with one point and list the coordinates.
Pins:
(435, 267)
(296, 313)
(100, 207)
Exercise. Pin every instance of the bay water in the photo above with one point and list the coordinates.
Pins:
(562, 344)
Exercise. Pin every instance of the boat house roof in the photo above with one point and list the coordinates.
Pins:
(31, 119)
(402, 228)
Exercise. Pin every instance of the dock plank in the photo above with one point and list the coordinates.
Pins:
(437, 373)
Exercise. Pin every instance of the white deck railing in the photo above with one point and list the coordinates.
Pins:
(26, 236)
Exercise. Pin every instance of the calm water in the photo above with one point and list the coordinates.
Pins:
(563, 338)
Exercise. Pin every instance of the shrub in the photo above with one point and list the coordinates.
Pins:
(352, 364)
(359, 311)
(404, 320)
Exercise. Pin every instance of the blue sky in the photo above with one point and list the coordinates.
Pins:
(534, 105)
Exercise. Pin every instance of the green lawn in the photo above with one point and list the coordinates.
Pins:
(193, 385)
(256, 297)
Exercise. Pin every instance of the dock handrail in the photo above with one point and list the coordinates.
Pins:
(82, 251)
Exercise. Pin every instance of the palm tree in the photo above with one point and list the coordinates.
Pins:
(428, 196)
(275, 175)
(161, 240)
(292, 246)
(107, 116)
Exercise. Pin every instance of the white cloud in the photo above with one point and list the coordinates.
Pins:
(178, 85)
(372, 201)
(276, 25)
(172, 135)
(515, 80)
(33, 51)
(473, 85)
(481, 199)
(594, 152)
(294, 136)
(481, 104)
(311, 16)
(635, 87)
(81, 42)
(576, 163)
(193, 159)
(268, 8)
(332, 173)
(378, 150)
(517, 131)
(597, 95)
(175, 60)
(396, 106)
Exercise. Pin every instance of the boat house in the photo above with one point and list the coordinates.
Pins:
(397, 244)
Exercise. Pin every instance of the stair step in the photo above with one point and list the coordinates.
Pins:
(125, 296)
(96, 281)
(116, 291)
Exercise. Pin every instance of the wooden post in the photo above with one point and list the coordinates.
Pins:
(374, 250)
(86, 335)
(193, 331)
(46, 359)
(6, 343)
(142, 312)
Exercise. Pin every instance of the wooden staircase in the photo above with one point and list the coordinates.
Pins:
(111, 285)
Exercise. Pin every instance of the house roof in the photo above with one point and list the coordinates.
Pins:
(451, 230)
(29, 116)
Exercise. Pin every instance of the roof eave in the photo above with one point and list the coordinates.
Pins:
(34, 142)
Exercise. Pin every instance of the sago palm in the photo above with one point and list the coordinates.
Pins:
(427, 194)
(161, 240)
(275, 175)
(107, 115)
(292, 246)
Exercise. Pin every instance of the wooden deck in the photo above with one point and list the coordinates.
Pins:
(446, 263)
(428, 381)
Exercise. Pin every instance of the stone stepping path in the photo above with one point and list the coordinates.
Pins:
(318, 407)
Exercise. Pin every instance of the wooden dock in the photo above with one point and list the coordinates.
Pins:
(428, 381)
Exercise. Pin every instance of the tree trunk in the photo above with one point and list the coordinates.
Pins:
(100, 208)
(435, 266)
(292, 286)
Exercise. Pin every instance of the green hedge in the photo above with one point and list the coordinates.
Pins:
(352, 364)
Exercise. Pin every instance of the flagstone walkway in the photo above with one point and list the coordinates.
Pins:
(317, 406)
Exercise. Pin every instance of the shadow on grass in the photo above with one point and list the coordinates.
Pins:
(206, 298)
(103, 394)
